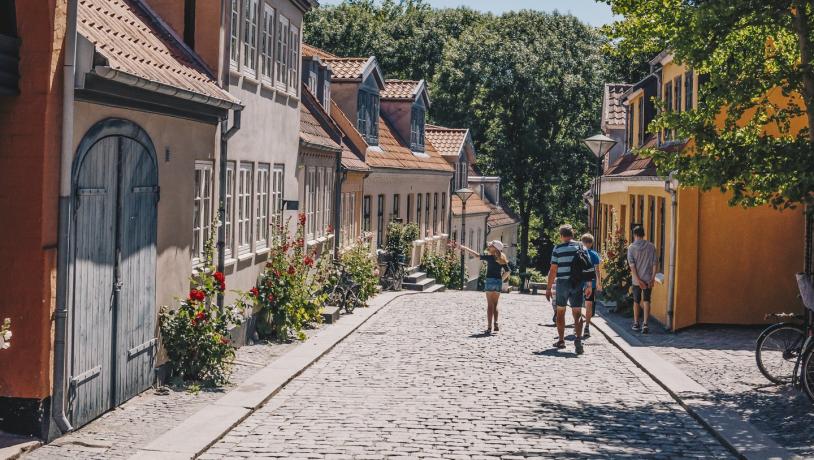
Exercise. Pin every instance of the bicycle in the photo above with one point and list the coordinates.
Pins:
(785, 351)
(394, 272)
(344, 293)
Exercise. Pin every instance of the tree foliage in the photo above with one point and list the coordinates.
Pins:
(750, 129)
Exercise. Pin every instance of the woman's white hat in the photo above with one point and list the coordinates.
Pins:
(497, 244)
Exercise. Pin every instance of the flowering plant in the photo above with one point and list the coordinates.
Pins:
(196, 333)
(616, 281)
(444, 266)
(360, 263)
(5, 334)
(289, 291)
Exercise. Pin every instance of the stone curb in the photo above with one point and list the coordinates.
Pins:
(14, 451)
(204, 428)
(737, 434)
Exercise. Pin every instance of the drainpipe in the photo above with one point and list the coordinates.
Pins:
(341, 175)
(226, 133)
(671, 187)
(63, 245)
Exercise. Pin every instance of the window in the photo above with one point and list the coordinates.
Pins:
(228, 223)
(352, 218)
(640, 109)
(282, 51)
(677, 97)
(244, 209)
(427, 216)
(277, 175)
(294, 60)
(267, 45)
(319, 204)
(202, 209)
(261, 216)
(632, 217)
(419, 198)
(435, 214)
(641, 211)
(329, 198)
(629, 127)
(417, 129)
(623, 219)
(662, 228)
(250, 36)
(234, 35)
(396, 213)
(367, 115)
(310, 201)
(651, 226)
(366, 213)
(688, 90)
(461, 179)
(668, 106)
(380, 221)
(409, 207)
(326, 92)
(443, 212)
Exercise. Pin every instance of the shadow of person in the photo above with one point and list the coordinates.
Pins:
(555, 353)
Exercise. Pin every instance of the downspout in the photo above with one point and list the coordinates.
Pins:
(341, 174)
(226, 133)
(449, 208)
(64, 231)
(671, 279)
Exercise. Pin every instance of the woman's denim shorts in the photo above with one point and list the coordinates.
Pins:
(494, 285)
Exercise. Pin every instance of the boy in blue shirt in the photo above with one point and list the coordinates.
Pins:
(596, 284)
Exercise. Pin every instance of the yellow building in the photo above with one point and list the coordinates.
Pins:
(732, 265)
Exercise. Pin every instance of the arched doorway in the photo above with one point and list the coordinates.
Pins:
(112, 269)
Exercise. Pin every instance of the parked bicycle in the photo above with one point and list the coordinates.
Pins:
(785, 351)
(394, 271)
(344, 292)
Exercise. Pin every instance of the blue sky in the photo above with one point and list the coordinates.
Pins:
(589, 11)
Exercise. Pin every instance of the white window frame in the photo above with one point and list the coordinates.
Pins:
(328, 194)
(310, 201)
(294, 60)
(250, 15)
(244, 208)
(281, 54)
(267, 44)
(277, 182)
(202, 209)
(262, 198)
(234, 37)
(229, 209)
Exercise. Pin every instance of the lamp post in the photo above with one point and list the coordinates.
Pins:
(464, 195)
(599, 145)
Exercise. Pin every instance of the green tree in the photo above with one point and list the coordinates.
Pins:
(529, 85)
(745, 49)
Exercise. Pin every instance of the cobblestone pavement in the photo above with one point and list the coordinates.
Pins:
(418, 381)
(722, 359)
(120, 432)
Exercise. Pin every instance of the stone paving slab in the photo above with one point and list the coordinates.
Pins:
(12, 445)
(419, 381)
(721, 359)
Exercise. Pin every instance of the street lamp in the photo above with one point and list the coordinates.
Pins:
(599, 145)
(464, 195)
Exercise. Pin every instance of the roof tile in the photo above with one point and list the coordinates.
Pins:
(400, 89)
(448, 141)
(613, 112)
(346, 68)
(313, 51)
(393, 153)
(474, 205)
(312, 132)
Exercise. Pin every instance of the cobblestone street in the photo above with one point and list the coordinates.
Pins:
(418, 380)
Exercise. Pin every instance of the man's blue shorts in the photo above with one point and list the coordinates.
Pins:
(567, 294)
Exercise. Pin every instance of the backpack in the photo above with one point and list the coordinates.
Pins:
(582, 269)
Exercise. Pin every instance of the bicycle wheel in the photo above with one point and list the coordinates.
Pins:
(807, 373)
(351, 300)
(335, 297)
(777, 350)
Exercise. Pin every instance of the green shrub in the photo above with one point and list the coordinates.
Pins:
(360, 263)
(444, 267)
(616, 281)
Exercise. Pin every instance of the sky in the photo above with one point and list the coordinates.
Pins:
(589, 11)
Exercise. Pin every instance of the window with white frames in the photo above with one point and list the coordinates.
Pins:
(244, 209)
(319, 204)
(277, 175)
(234, 38)
(267, 45)
(443, 212)
(326, 92)
(250, 36)
(228, 223)
(261, 215)
(294, 60)
(329, 197)
(282, 51)
(310, 201)
(202, 209)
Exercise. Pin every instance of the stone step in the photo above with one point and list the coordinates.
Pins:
(420, 286)
(330, 314)
(415, 277)
(435, 288)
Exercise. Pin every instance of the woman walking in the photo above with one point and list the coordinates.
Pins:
(497, 270)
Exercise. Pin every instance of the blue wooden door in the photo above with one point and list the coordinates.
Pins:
(113, 271)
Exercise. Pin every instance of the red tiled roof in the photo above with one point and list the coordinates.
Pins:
(312, 51)
(632, 165)
(400, 89)
(347, 68)
(448, 141)
(499, 217)
(352, 161)
(474, 205)
(613, 112)
(312, 132)
(392, 153)
(135, 43)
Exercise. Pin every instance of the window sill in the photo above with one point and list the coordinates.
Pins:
(229, 261)
(250, 78)
(245, 257)
(263, 251)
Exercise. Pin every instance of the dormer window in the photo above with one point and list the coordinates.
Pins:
(367, 113)
(417, 128)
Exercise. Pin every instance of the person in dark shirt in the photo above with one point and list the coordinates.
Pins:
(497, 270)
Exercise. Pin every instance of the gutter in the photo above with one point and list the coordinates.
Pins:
(63, 244)
(135, 81)
(671, 271)
(225, 134)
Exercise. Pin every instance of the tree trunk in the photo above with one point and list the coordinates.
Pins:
(801, 27)
(525, 219)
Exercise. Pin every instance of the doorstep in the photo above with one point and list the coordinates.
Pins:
(207, 426)
(740, 436)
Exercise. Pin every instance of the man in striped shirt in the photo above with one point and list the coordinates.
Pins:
(561, 258)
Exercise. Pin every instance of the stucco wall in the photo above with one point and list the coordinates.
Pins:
(354, 183)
